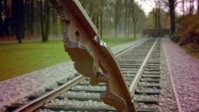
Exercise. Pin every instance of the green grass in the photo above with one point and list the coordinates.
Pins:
(18, 59)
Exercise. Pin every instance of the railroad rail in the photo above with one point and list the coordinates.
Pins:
(73, 87)
(115, 83)
(92, 58)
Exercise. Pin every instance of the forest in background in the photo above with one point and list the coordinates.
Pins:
(22, 19)
(38, 19)
(187, 31)
(28, 18)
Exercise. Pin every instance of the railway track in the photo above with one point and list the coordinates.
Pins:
(140, 67)
(144, 83)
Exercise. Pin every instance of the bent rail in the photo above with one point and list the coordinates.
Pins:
(91, 55)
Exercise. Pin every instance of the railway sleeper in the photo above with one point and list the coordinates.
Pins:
(134, 65)
(152, 72)
(91, 90)
(153, 62)
(32, 97)
(59, 83)
(128, 62)
(13, 107)
(128, 67)
(151, 76)
(129, 71)
(156, 68)
(151, 85)
(149, 80)
(83, 97)
(152, 66)
(148, 92)
(128, 78)
(155, 55)
(79, 108)
(147, 100)
(146, 109)
(152, 69)
(86, 83)
(49, 89)
(129, 75)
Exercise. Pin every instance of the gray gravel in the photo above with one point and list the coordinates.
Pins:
(185, 71)
(17, 88)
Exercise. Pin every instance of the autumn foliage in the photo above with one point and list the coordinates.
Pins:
(187, 34)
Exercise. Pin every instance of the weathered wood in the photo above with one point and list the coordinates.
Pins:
(90, 54)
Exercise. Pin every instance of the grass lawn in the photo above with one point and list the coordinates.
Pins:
(18, 59)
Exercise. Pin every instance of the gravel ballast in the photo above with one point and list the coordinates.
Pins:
(184, 68)
(17, 88)
(185, 72)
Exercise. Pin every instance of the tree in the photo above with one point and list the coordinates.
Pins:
(172, 4)
(112, 17)
(44, 19)
(135, 11)
(142, 22)
(32, 17)
(1, 19)
(198, 6)
(126, 17)
(116, 16)
(95, 10)
(156, 22)
(18, 13)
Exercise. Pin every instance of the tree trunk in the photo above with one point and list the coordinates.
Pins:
(159, 19)
(135, 11)
(101, 24)
(156, 21)
(18, 16)
(47, 23)
(97, 22)
(54, 19)
(183, 11)
(45, 20)
(27, 17)
(42, 19)
(32, 18)
(125, 19)
(191, 7)
(134, 30)
(198, 6)
(172, 16)
(128, 21)
(90, 11)
(116, 17)
(4, 18)
(1, 20)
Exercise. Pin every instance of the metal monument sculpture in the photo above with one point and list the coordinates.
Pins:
(92, 58)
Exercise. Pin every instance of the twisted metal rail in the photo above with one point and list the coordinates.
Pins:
(90, 56)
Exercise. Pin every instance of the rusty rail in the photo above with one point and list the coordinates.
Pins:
(31, 106)
(90, 54)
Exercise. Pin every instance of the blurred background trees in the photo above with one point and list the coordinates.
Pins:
(27, 19)
(37, 19)
(187, 30)
(115, 17)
